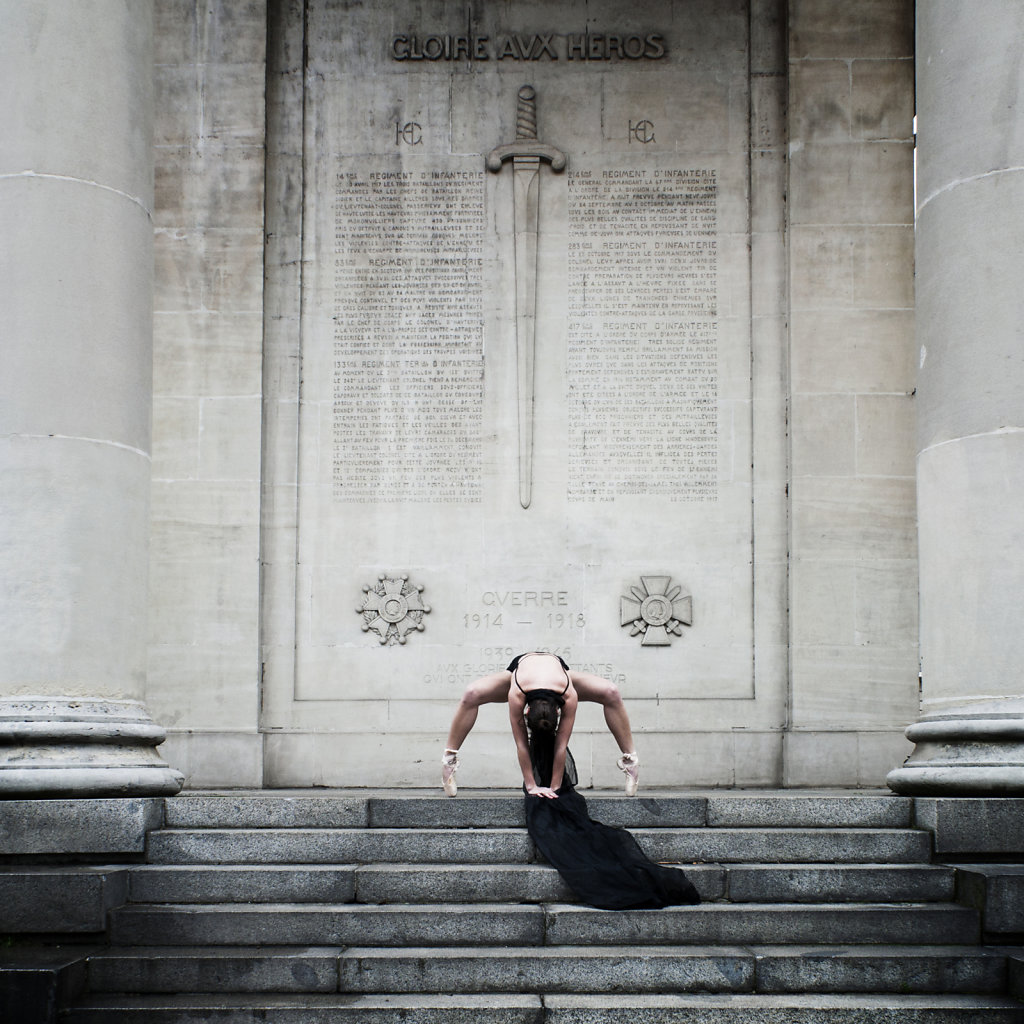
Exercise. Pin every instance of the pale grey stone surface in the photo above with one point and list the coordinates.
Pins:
(241, 810)
(203, 668)
(337, 924)
(948, 480)
(477, 811)
(232, 883)
(208, 758)
(431, 811)
(784, 845)
(964, 59)
(548, 970)
(725, 923)
(313, 1009)
(970, 442)
(839, 1009)
(825, 30)
(457, 883)
(721, 662)
(76, 197)
(76, 202)
(915, 969)
(849, 92)
(93, 747)
(853, 624)
(93, 127)
(846, 75)
(781, 810)
(224, 969)
(340, 846)
(838, 883)
(997, 891)
(59, 899)
(815, 758)
(78, 825)
(965, 825)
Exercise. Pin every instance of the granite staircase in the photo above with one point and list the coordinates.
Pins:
(309, 909)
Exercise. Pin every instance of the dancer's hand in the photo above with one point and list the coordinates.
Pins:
(544, 791)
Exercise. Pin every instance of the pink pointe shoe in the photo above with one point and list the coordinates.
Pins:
(449, 766)
(630, 765)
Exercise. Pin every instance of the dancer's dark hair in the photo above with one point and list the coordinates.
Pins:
(542, 715)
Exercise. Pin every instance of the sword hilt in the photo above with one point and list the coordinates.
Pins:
(526, 113)
(526, 143)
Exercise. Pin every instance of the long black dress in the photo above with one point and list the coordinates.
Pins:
(603, 866)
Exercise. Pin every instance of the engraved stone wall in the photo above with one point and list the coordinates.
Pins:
(729, 419)
(643, 334)
(408, 336)
(397, 375)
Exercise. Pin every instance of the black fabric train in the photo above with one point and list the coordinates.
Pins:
(603, 866)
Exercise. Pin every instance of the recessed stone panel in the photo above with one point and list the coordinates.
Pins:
(457, 505)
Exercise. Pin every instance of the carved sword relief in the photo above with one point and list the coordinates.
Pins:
(526, 154)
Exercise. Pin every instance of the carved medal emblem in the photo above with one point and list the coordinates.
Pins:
(393, 608)
(657, 610)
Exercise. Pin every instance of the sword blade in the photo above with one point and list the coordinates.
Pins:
(526, 185)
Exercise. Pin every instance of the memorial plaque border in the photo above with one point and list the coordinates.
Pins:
(287, 160)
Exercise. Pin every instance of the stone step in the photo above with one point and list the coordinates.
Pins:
(338, 846)
(523, 883)
(554, 1009)
(309, 1008)
(655, 969)
(781, 1009)
(736, 809)
(779, 923)
(501, 846)
(997, 891)
(549, 924)
(59, 898)
(243, 883)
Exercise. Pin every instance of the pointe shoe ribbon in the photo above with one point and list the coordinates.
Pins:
(629, 764)
(449, 766)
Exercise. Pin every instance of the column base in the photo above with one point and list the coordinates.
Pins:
(971, 749)
(81, 747)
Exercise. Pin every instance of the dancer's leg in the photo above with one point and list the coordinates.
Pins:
(464, 720)
(492, 689)
(604, 692)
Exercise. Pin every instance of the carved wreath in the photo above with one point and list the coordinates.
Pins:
(392, 608)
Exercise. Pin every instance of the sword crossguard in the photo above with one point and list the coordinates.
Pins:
(526, 144)
(527, 147)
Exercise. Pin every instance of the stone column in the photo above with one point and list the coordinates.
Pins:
(75, 396)
(970, 469)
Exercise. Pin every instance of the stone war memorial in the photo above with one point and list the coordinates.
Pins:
(351, 349)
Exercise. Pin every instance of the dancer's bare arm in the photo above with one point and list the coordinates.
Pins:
(565, 724)
(516, 706)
